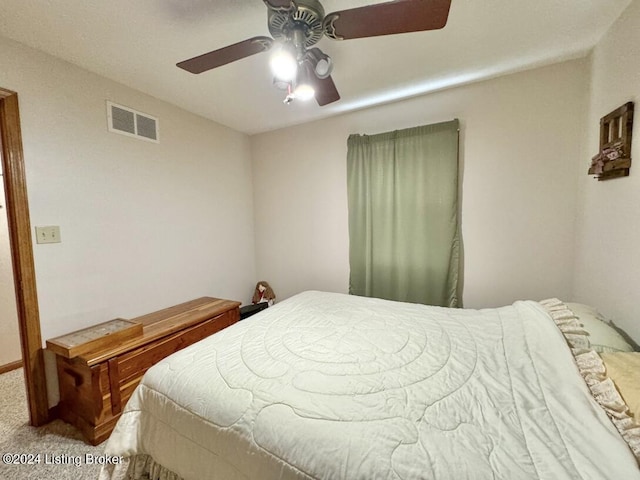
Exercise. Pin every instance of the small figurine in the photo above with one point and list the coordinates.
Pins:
(263, 293)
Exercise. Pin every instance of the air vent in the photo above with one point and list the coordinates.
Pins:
(126, 121)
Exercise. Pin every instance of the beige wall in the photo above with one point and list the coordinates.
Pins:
(521, 140)
(143, 225)
(608, 238)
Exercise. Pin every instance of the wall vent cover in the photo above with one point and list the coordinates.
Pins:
(130, 122)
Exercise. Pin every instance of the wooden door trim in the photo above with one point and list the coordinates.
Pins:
(22, 257)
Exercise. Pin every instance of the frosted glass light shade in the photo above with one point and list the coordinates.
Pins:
(304, 92)
(284, 65)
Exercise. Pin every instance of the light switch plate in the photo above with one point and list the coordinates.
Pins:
(49, 234)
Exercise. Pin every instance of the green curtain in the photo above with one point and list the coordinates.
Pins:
(404, 231)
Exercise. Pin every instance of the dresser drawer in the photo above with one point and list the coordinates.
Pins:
(134, 364)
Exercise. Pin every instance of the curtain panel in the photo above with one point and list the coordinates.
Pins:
(404, 232)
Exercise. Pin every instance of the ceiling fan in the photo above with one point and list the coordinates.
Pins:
(304, 71)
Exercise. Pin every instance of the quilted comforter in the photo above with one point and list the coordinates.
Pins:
(331, 386)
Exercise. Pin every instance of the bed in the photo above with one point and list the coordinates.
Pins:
(333, 386)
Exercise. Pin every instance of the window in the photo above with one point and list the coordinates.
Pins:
(404, 230)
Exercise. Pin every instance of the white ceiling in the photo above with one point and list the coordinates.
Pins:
(138, 43)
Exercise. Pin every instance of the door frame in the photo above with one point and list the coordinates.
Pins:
(22, 257)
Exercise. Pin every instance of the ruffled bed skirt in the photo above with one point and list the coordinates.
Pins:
(139, 467)
(593, 371)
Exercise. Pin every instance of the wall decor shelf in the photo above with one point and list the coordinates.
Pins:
(614, 158)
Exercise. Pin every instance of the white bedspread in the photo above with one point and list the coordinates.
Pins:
(333, 386)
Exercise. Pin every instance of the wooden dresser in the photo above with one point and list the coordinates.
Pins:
(95, 385)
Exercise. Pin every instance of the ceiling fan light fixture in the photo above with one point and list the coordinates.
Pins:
(324, 67)
(304, 92)
(281, 84)
(304, 86)
(284, 65)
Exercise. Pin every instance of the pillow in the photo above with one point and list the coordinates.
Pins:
(602, 336)
(624, 369)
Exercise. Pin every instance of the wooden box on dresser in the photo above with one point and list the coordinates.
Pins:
(95, 386)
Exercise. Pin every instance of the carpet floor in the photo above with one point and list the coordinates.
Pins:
(55, 451)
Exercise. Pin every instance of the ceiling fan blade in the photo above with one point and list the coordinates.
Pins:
(226, 55)
(281, 5)
(400, 16)
(326, 91)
